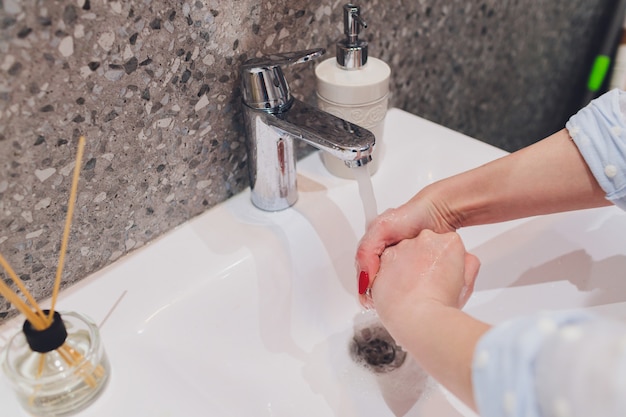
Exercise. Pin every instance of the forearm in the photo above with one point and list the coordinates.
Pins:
(547, 177)
(442, 339)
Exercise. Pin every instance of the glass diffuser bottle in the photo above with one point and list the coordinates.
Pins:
(57, 371)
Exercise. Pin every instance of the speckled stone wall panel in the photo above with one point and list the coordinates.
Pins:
(153, 85)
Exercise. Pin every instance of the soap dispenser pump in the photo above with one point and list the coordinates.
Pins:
(355, 87)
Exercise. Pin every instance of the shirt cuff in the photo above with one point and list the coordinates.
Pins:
(599, 132)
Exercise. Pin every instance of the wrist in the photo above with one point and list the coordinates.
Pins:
(441, 206)
(430, 308)
(418, 310)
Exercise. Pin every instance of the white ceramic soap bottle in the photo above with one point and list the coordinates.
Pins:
(355, 88)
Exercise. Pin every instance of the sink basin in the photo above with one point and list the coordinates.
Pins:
(241, 312)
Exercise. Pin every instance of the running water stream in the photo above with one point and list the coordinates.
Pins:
(366, 191)
(401, 382)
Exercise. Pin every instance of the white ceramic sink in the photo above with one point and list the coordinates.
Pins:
(240, 312)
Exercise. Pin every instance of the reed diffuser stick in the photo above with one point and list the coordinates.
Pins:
(68, 225)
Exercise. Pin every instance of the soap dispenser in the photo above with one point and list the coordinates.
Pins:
(354, 87)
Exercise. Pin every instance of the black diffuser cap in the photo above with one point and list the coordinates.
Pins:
(46, 340)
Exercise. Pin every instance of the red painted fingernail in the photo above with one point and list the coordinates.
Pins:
(364, 282)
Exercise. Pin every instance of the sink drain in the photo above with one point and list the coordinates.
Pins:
(374, 348)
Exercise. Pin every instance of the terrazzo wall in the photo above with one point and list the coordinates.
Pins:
(153, 85)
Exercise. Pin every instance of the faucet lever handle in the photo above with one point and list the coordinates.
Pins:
(282, 59)
(263, 82)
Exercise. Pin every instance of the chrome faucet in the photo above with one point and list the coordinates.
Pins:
(273, 119)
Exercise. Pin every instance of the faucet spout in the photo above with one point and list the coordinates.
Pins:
(344, 140)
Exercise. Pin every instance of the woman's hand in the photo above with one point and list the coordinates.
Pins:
(394, 226)
(431, 268)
